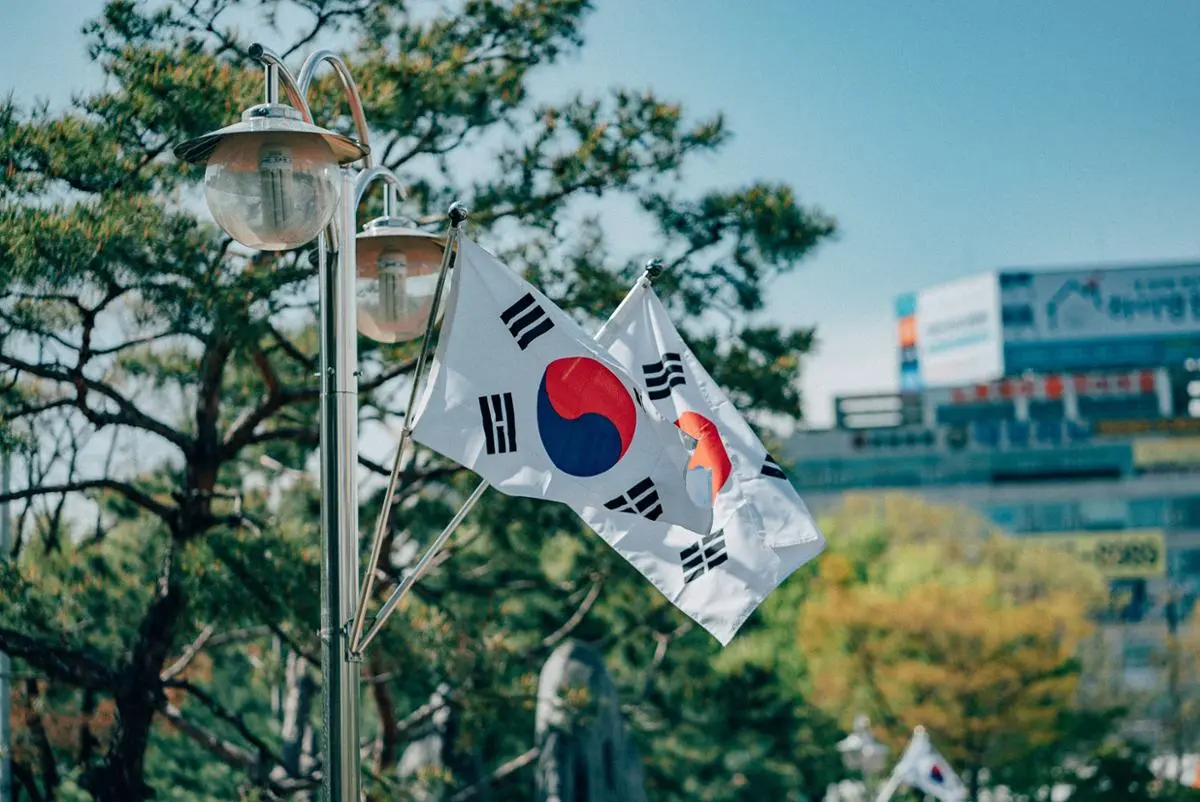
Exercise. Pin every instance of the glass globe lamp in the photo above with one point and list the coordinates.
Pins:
(271, 181)
(398, 268)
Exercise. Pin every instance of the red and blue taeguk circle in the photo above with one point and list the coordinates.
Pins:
(586, 417)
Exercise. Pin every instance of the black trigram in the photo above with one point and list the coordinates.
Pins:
(641, 499)
(662, 376)
(703, 556)
(526, 320)
(499, 423)
(771, 468)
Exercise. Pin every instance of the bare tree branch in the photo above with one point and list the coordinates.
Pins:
(185, 659)
(503, 770)
(569, 626)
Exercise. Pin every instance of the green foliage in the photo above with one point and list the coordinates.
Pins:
(922, 614)
(1119, 771)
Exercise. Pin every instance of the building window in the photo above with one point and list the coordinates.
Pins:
(1126, 600)
(1126, 407)
(1048, 431)
(1185, 512)
(986, 433)
(1103, 513)
(1053, 517)
(952, 414)
(1185, 563)
(1006, 517)
(1138, 655)
(1147, 512)
(1047, 409)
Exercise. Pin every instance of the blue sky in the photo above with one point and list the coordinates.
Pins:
(947, 138)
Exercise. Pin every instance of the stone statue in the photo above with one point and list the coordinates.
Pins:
(585, 754)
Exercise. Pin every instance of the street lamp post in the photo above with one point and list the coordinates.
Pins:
(276, 181)
(862, 754)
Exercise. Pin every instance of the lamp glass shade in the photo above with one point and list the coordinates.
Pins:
(272, 191)
(397, 277)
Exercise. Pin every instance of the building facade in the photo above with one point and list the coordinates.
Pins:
(1064, 406)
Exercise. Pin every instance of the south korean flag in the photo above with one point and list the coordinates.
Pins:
(923, 767)
(762, 531)
(521, 395)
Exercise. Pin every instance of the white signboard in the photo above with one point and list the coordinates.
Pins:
(958, 332)
(1101, 304)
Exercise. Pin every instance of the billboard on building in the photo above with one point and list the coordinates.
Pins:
(986, 326)
(1123, 554)
(1166, 453)
(1060, 305)
(1104, 317)
(958, 333)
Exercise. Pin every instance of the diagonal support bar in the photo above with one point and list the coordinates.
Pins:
(406, 584)
(404, 451)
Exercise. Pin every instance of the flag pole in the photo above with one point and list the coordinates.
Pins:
(893, 782)
(889, 788)
(653, 270)
(404, 451)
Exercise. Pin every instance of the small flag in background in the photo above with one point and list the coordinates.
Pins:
(761, 532)
(521, 395)
(923, 767)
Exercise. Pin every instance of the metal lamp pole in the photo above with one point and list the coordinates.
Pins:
(272, 182)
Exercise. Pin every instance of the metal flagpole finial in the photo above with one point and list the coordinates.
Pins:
(654, 268)
(458, 213)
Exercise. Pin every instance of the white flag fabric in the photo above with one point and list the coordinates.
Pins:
(520, 394)
(762, 531)
(923, 767)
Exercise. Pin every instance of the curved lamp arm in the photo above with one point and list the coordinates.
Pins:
(277, 73)
(308, 71)
(297, 88)
(394, 188)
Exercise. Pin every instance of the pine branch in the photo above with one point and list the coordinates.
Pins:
(129, 415)
(234, 754)
(189, 654)
(167, 513)
(74, 666)
(570, 625)
(503, 770)
(229, 717)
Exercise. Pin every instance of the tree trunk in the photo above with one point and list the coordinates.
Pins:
(138, 696)
(388, 742)
(47, 765)
(296, 731)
